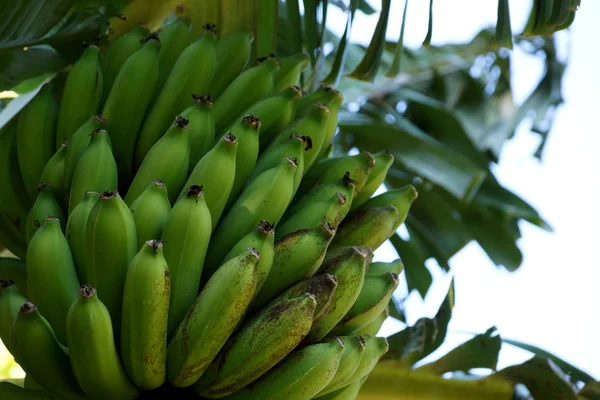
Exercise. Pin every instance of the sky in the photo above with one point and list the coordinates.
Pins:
(552, 300)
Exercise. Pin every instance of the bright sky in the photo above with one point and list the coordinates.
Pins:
(552, 300)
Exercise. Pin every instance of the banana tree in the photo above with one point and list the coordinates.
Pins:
(443, 126)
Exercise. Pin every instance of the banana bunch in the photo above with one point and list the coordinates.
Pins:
(182, 230)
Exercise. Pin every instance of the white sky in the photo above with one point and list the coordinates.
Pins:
(552, 301)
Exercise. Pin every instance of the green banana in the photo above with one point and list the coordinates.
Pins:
(374, 326)
(348, 265)
(212, 318)
(167, 160)
(117, 54)
(11, 235)
(375, 347)
(13, 392)
(233, 52)
(150, 212)
(354, 348)
(380, 267)
(81, 95)
(328, 153)
(301, 375)
(51, 275)
(14, 269)
(36, 348)
(221, 158)
(186, 235)
(14, 199)
(383, 162)
(246, 130)
(401, 198)
(29, 383)
(127, 102)
(174, 38)
(94, 357)
(202, 127)
(266, 198)
(76, 232)
(144, 318)
(371, 302)
(259, 345)
(369, 227)
(246, 89)
(297, 256)
(348, 392)
(192, 73)
(96, 169)
(290, 70)
(330, 169)
(45, 206)
(10, 302)
(54, 174)
(77, 144)
(35, 138)
(111, 244)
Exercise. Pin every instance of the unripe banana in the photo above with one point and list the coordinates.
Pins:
(150, 212)
(354, 348)
(221, 158)
(117, 54)
(330, 169)
(95, 171)
(212, 318)
(290, 70)
(349, 266)
(233, 52)
(368, 227)
(13, 195)
(38, 351)
(383, 162)
(13, 269)
(81, 94)
(76, 232)
(174, 38)
(10, 303)
(192, 73)
(127, 102)
(260, 344)
(328, 151)
(297, 256)
(11, 234)
(371, 302)
(401, 198)
(51, 276)
(77, 145)
(373, 327)
(35, 138)
(348, 392)
(380, 267)
(111, 244)
(202, 127)
(29, 383)
(45, 206)
(375, 347)
(145, 315)
(94, 357)
(167, 160)
(266, 198)
(54, 174)
(246, 89)
(13, 392)
(186, 236)
(301, 375)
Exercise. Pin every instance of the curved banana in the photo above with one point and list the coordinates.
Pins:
(94, 357)
(126, 105)
(368, 227)
(51, 275)
(35, 138)
(111, 244)
(354, 348)
(13, 269)
(167, 160)
(54, 174)
(401, 198)
(290, 70)
(186, 236)
(233, 53)
(174, 38)
(13, 196)
(95, 171)
(374, 326)
(202, 127)
(348, 392)
(383, 162)
(212, 318)
(45, 206)
(301, 375)
(29, 383)
(11, 391)
(81, 95)
(10, 303)
(150, 212)
(375, 347)
(144, 318)
(77, 144)
(259, 345)
(36, 349)
(192, 73)
(349, 266)
(76, 232)
(380, 267)
(221, 158)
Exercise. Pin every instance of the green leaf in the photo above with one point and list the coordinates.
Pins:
(365, 7)
(19, 65)
(503, 36)
(294, 26)
(337, 68)
(311, 28)
(417, 275)
(266, 25)
(395, 68)
(17, 104)
(427, 40)
(591, 391)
